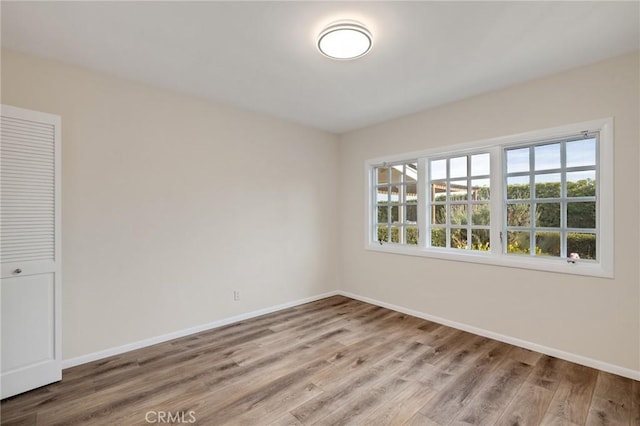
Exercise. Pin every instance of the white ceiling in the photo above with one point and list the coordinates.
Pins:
(261, 55)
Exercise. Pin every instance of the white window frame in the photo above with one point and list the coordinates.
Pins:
(602, 267)
(448, 227)
(402, 203)
(562, 200)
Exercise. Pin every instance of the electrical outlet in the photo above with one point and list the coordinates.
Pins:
(236, 295)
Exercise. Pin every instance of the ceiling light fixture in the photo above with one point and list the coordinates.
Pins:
(344, 40)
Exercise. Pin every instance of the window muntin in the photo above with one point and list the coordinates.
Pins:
(551, 198)
(396, 203)
(459, 202)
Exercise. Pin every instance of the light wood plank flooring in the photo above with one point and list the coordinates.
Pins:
(332, 362)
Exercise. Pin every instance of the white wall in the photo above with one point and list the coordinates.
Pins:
(170, 203)
(590, 317)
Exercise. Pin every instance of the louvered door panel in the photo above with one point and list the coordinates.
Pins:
(27, 180)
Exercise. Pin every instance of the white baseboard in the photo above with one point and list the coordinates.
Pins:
(83, 359)
(578, 359)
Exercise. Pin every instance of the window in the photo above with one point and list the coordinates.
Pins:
(551, 201)
(396, 203)
(459, 202)
(541, 200)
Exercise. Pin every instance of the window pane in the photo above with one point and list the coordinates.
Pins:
(518, 188)
(548, 215)
(581, 153)
(581, 215)
(412, 213)
(518, 242)
(395, 194)
(480, 164)
(411, 235)
(411, 172)
(519, 214)
(459, 239)
(458, 214)
(480, 189)
(480, 214)
(518, 160)
(395, 218)
(581, 246)
(547, 244)
(412, 193)
(382, 194)
(383, 233)
(581, 184)
(396, 173)
(395, 234)
(383, 214)
(458, 190)
(547, 156)
(438, 169)
(438, 191)
(480, 239)
(458, 167)
(438, 237)
(382, 175)
(439, 214)
(548, 185)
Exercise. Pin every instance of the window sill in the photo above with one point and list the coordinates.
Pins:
(584, 267)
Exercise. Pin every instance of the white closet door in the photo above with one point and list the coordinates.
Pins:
(30, 295)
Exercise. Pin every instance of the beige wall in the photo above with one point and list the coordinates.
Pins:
(170, 203)
(594, 318)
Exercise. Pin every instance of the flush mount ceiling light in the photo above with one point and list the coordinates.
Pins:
(344, 40)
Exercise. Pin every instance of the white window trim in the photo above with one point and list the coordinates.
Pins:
(603, 267)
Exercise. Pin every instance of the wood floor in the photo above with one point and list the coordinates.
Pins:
(332, 362)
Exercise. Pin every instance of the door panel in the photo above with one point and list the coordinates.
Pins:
(28, 323)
